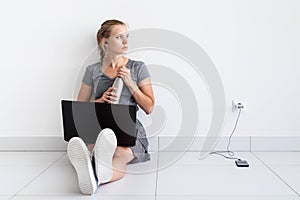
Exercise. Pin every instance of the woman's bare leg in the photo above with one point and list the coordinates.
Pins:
(121, 157)
(90, 148)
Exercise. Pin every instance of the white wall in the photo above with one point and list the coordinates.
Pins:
(253, 43)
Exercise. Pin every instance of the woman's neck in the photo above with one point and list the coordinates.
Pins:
(113, 62)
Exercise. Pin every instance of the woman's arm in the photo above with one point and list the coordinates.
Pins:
(85, 92)
(143, 94)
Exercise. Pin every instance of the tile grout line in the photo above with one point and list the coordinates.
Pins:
(276, 174)
(157, 167)
(36, 177)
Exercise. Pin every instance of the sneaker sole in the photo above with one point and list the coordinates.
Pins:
(80, 159)
(104, 150)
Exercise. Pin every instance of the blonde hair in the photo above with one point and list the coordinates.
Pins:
(104, 32)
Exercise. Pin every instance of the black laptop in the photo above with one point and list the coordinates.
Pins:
(87, 119)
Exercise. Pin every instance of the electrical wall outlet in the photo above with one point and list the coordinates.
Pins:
(236, 105)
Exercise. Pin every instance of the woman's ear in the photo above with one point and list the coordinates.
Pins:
(104, 41)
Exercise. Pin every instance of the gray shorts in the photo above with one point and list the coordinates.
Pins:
(140, 150)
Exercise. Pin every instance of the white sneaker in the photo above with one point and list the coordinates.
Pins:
(103, 152)
(80, 159)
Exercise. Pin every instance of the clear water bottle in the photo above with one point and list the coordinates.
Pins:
(118, 84)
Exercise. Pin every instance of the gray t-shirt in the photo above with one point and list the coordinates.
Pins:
(100, 82)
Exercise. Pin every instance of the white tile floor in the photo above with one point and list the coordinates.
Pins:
(49, 175)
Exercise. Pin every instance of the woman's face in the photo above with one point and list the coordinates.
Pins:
(118, 41)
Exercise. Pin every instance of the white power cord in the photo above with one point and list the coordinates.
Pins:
(230, 153)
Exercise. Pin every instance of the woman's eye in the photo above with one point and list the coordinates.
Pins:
(118, 37)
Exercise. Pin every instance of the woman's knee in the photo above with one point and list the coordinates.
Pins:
(123, 152)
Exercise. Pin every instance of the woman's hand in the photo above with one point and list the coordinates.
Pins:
(108, 96)
(124, 73)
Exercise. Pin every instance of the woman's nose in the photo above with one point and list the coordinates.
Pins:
(125, 41)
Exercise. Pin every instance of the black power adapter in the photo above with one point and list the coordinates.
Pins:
(241, 163)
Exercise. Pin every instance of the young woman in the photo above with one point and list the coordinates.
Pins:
(109, 160)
